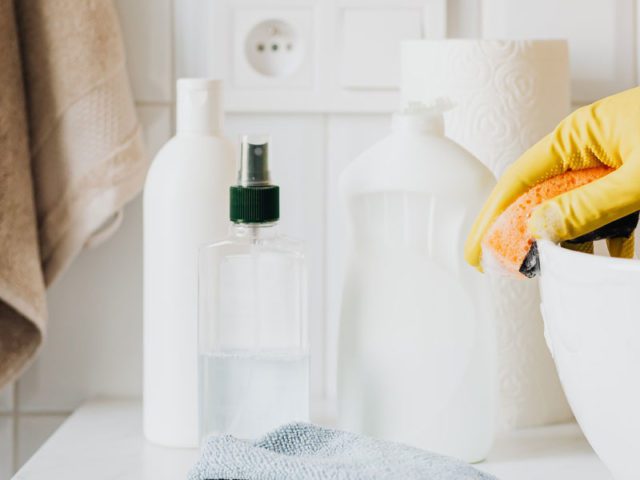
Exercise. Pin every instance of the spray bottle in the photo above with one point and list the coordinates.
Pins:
(253, 343)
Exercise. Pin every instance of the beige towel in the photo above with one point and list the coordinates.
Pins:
(71, 153)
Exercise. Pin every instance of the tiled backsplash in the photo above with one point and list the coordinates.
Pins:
(95, 332)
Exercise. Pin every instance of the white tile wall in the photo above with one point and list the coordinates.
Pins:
(95, 325)
(6, 399)
(6, 447)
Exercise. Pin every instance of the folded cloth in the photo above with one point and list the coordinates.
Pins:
(300, 451)
(71, 153)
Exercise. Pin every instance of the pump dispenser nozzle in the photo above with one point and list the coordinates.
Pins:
(425, 117)
(254, 199)
(254, 161)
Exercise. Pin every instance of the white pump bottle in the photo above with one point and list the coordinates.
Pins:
(185, 206)
(416, 356)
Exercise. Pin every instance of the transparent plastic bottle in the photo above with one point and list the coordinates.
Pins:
(253, 341)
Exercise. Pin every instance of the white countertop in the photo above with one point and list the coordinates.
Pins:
(103, 440)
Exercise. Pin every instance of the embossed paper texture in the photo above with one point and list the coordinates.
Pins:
(507, 95)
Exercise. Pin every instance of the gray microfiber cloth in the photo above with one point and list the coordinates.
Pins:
(301, 451)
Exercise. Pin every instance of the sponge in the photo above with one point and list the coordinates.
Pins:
(508, 245)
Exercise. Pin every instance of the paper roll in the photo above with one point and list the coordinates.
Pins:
(508, 95)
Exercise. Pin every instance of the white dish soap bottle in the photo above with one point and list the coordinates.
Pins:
(253, 340)
(416, 352)
(185, 206)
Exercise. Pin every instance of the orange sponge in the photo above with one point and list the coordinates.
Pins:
(508, 240)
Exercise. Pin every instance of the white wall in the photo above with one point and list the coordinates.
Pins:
(94, 343)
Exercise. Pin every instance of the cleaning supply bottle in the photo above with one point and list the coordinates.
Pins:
(253, 345)
(185, 207)
(416, 350)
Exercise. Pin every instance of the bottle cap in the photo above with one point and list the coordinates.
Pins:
(422, 117)
(199, 106)
(254, 199)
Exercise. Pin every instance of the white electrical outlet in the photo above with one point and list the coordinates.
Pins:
(273, 48)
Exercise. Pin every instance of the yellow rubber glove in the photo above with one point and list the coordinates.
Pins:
(606, 132)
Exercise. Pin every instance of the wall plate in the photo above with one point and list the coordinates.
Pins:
(340, 69)
(273, 48)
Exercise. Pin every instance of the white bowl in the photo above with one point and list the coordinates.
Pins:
(591, 310)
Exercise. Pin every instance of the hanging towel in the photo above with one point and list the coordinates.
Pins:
(301, 451)
(71, 153)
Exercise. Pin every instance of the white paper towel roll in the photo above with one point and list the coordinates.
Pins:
(509, 94)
